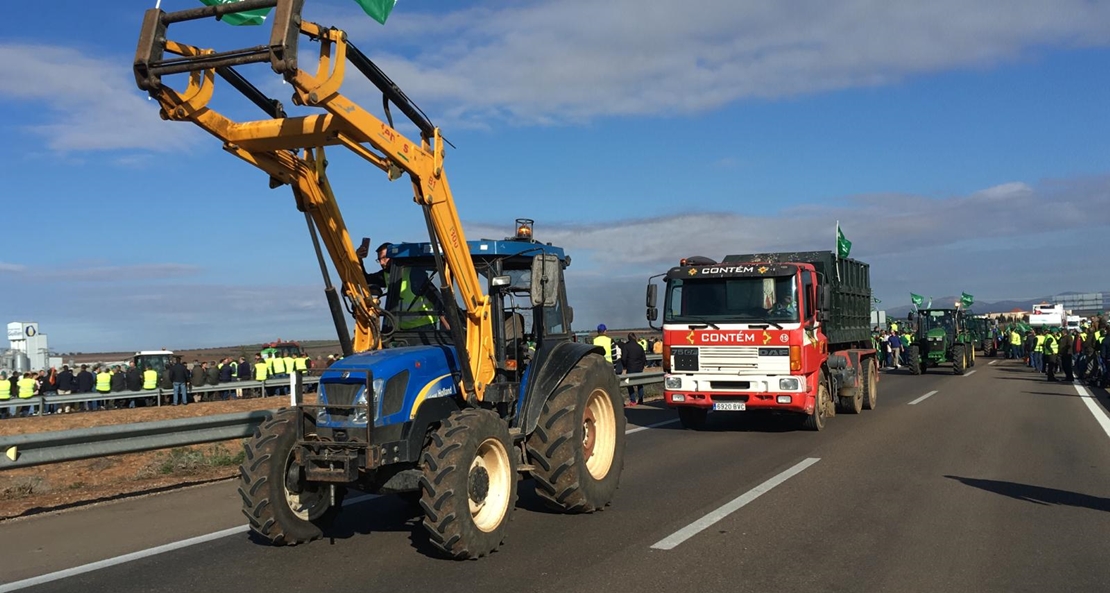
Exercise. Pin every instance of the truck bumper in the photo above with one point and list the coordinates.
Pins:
(762, 394)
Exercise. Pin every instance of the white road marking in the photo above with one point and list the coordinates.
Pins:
(676, 538)
(969, 373)
(1096, 410)
(923, 398)
(991, 363)
(656, 425)
(185, 543)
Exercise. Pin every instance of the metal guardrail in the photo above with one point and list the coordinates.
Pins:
(84, 443)
(96, 396)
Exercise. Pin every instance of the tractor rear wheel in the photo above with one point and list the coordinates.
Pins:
(870, 384)
(959, 359)
(469, 484)
(279, 504)
(578, 445)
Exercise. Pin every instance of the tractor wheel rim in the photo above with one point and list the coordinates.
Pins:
(489, 484)
(599, 434)
(306, 504)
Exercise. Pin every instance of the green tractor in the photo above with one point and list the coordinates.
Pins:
(982, 331)
(941, 336)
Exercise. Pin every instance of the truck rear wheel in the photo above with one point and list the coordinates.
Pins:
(915, 361)
(959, 359)
(469, 484)
(578, 445)
(852, 404)
(822, 408)
(279, 504)
(692, 418)
(870, 385)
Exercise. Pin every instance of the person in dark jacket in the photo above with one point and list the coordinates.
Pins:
(85, 380)
(179, 377)
(134, 378)
(225, 371)
(66, 382)
(119, 380)
(634, 359)
(244, 369)
(212, 377)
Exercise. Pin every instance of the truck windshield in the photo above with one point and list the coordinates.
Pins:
(731, 300)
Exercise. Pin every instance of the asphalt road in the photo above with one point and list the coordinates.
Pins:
(996, 481)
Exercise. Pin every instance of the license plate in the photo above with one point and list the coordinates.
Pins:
(730, 406)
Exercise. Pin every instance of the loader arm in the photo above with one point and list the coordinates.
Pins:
(290, 151)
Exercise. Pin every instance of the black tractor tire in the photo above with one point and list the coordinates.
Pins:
(821, 409)
(467, 466)
(959, 359)
(870, 384)
(577, 448)
(269, 483)
(692, 418)
(916, 368)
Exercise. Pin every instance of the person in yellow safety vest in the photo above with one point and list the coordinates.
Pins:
(1015, 344)
(605, 342)
(26, 387)
(5, 393)
(413, 302)
(290, 364)
(150, 379)
(103, 381)
(1038, 352)
(300, 363)
(276, 365)
(1051, 349)
(893, 326)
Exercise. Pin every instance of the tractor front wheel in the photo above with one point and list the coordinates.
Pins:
(959, 359)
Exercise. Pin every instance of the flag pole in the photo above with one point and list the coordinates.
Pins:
(836, 250)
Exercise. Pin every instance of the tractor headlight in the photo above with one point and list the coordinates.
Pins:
(361, 415)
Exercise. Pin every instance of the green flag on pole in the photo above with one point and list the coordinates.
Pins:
(917, 299)
(843, 245)
(377, 9)
(966, 299)
(249, 17)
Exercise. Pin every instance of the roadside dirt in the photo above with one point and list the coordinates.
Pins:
(31, 490)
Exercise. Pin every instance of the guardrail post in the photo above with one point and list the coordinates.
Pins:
(296, 389)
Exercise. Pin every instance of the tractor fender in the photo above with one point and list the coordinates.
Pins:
(551, 365)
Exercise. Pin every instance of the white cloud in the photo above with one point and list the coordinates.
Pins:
(93, 103)
(570, 60)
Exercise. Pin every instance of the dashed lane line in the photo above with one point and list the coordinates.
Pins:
(185, 543)
(676, 538)
(968, 374)
(1096, 410)
(923, 398)
(991, 363)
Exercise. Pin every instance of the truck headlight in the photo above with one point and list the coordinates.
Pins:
(672, 383)
(789, 384)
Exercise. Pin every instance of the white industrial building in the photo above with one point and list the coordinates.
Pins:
(29, 349)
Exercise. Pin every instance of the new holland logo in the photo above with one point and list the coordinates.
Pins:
(690, 337)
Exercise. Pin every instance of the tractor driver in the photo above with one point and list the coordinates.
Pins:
(416, 293)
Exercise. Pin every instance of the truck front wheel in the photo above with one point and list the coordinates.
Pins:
(692, 418)
(822, 408)
(578, 445)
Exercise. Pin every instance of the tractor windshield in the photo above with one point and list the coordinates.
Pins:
(942, 319)
(732, 300)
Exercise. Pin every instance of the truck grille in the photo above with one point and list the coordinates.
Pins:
(729, 357)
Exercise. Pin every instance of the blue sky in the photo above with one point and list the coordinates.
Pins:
(962, 146)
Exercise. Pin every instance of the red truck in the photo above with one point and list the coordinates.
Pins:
(775, 332)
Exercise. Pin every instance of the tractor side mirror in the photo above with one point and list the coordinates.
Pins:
(545, 280)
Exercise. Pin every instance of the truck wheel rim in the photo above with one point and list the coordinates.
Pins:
(488, 485)
(599, 434)
(306, 504)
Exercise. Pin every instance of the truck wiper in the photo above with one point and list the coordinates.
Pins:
(705, 323)
(764, 325)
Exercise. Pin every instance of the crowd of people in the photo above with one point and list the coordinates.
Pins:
(176, 378)
(628, 356)
(1079, 353)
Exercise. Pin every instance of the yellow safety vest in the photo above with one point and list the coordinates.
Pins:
(277, 365)
(893, 326)
(104, 382)
(150, 379)
(606, 344)
(1049, 345)
(26, 388)
(5, 388)
(302, 363)
(260, 371)
(412, 303)
(1015, 339)
(290, 364)
(1040, 344)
